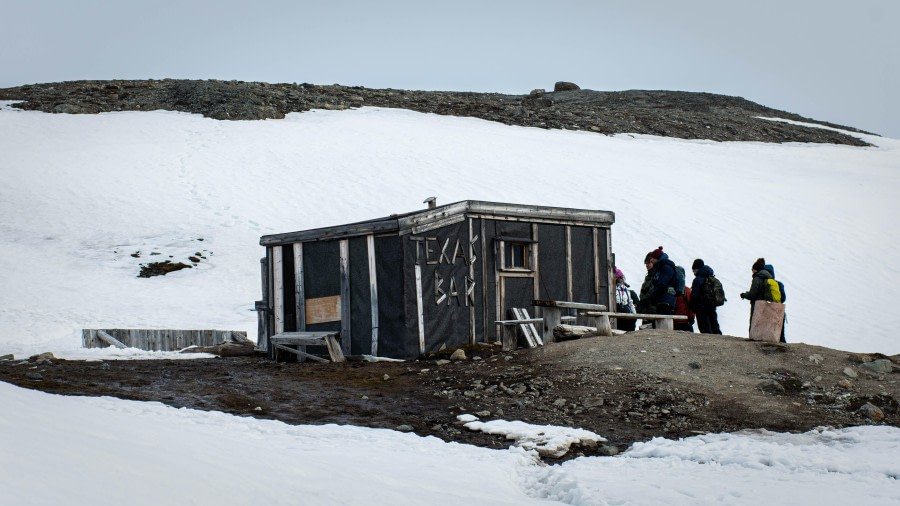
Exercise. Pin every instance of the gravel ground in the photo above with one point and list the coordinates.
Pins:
(626, 388)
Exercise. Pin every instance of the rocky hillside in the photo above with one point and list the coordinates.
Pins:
(685, 115)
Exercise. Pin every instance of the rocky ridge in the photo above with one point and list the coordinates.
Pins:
(685, 115)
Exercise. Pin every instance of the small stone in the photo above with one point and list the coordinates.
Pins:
(477, 358)
(423, 371)
(771, 386)
(33, 375)
(817, 379)
(559, 402)
(104, 366)
(257, 408)
(404, 428)
(850, 372)
(871, 411)
(436, 427)
(483, 414)
(42, 356)
(458, 355)
(386, 377)
(537, 92)
(694, 365)
(470, 393)
(365, 397)
(816, 359)
(508, 358)
(845, 383)
(608, 451)
(443, 361)
(882, 366)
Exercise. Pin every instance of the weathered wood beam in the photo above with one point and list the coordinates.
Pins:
(110, 340)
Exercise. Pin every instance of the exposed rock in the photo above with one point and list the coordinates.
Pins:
(816, 358)
(7, 357)
(871, 411)
(608, 451)
(685, 115)
(845, 383)
(458, 355)
(565, 86)
(771, 386)
(849, 371)
(442, 361)
(34, 375)
(882, 366)
(404, 428)
(161, 268)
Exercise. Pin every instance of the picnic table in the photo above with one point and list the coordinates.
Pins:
(552, 310)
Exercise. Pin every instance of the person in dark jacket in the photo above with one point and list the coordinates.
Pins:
(758, 285)
(707, 318)
(662, 296)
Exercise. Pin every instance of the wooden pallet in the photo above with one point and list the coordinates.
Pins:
(285, 340)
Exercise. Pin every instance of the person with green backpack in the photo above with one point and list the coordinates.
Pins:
(763, 287)
(707, 295)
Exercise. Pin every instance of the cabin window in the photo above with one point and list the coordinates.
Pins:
(516, 256)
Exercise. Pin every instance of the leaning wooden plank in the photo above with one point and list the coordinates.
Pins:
(334, 349)
(110, 340)
(529, 338)
(636, 315)
(300, 353)
(535, 335)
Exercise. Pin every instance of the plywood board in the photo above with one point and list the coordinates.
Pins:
(323, 310)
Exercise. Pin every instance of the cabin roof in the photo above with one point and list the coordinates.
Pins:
(427, 219)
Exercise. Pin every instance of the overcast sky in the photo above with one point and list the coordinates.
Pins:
(831, 60)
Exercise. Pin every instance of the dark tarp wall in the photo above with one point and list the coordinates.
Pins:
(552, 262)
(442, 255)
(583, 287)
(605, 269)
(360, 298)
(322, 275)
(290, 295)
(394, 341)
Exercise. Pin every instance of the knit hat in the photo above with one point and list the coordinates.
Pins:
(655, 254)
(619, 273)
(759, 264)
(698, 263)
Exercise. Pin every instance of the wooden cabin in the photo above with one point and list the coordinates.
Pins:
(408, 284)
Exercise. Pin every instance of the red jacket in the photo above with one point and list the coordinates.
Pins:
(681, 304)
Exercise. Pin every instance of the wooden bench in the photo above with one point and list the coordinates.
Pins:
(285, 340)
(552, 311)
(521, 322)
(601, 320)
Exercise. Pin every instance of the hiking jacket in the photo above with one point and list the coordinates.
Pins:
(683, 305)
(624, 303)
(663, 278)
(643, 305)
(697, 303)
(758, 286)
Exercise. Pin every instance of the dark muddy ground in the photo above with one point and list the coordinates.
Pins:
(627, 388)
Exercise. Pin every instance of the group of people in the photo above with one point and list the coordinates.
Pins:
(665, 292)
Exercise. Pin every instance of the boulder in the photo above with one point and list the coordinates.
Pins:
(458, 355)
(871, 411)
(881, 366)
(565, 86)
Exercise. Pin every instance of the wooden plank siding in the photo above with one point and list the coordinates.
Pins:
(161, 339)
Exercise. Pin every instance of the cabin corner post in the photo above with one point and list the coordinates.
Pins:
(262, 309)
(345, 296)
(373, 291)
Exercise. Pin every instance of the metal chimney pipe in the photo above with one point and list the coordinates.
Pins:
(431, 201)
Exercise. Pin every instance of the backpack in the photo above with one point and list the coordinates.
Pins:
(678, 280)
(772, 292)
(712, 292)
